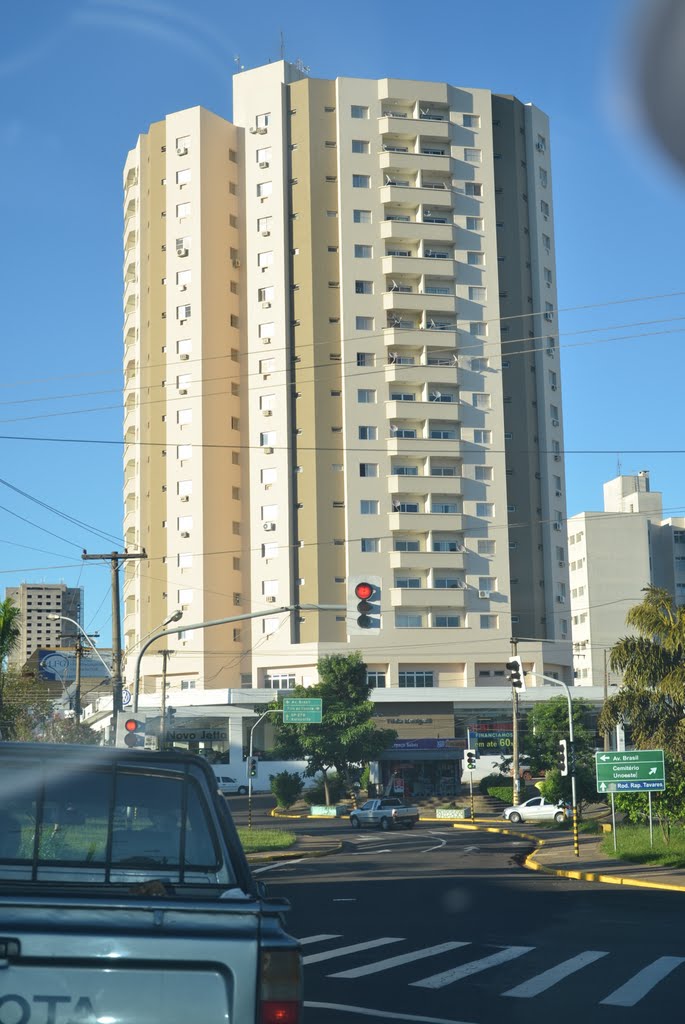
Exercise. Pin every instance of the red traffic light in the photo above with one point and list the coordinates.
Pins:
(130, 725)
(363, 591)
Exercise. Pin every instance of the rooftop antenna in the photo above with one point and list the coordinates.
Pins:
(282, 44)
(618, 463)
(303, 68)
(236, 61)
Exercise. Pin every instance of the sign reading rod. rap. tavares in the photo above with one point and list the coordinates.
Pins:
(301, 709)
(630, 771)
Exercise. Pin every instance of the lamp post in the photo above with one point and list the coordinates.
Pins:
(79, 653)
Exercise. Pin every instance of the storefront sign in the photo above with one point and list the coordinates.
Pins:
(184, 735)
(426, 744)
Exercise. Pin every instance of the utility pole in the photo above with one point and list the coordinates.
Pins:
(77, 693)
(162, 727)
(115, 558)
(515, 732)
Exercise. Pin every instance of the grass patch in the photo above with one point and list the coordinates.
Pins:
(632, 843)
(256, 840)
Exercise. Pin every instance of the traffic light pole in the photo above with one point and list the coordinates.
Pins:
(271, 711)
(515, 736)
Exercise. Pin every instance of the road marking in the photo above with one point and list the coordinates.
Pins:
(346, 899)
(555, 974)
(315, 958)
(471, 849)
(381, 1014)
(278, 864)
(316, 938)
(643, 982)
(473, 967)
(395, 961)
(440, 844)
(362, 853)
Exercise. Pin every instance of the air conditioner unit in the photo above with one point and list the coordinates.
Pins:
(267, 487)
(185, 534)
(184, 355)
(557, 458)
(268, 450)
(266, 305)
(266, 341)
(263, 164)
(265, 234)
(484, 593)
(558, 494)
(562, 563)
(560, 599)
(267, 412)
(553, 387)
(181, 150)
(261, 131)
(557, 527)
(270, 599)
(181, 250)
(268, 526)
(183, 391)
(253, 131)
(185, 497)
(236, 263)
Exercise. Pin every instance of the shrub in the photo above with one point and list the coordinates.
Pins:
(287, 788)
(316, 794)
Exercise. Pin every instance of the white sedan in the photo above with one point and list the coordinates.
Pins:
(229, 785)
(536, 809)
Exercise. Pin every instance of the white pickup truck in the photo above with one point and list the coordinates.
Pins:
(125, 895)
(386, 813)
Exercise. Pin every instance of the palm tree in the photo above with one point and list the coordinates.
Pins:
(652, 697)
(9, 638)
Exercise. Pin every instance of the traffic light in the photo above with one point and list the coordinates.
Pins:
(170, 722)
(515, 673)
(470, 760)
(562, 755)
(134, 732)
(364, 604)
(252, 767)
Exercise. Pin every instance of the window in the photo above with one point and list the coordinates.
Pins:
(415, 677)
(475, 259)
(182, 210)
(488, 583)
(263, 155)
(185, 487)
(363, 252)
(185, 561)
(366, 395)
(547, 274)
(406, 545)
(473, 188)
(269, 512)
(447, 583)
(485, 509)
(481, 400)
(365, 359)
(364, 323)
(444, 507)
(483, 472)
(184, 416)
(405, 506)
(474, 223)
(486, 547)
(266, 294)
(447, 621)
(362, 216)
(471, 121)
(478, 328)
(360, 146)
(359, 112)
(477, 294)
(368, 507)
(184, 451)
(368, 469)
(472, 156)
(405, 470)
(402, 396)
(183, 277)
(482, 436)
(268, 476)
(262, 120)
(408, 620)
(183, 177)
(182, 312)
(361, 181)
(370, 545)
(264, 189)
(363, 287)
(182, 142)
(267, 330)
(368, 433)
(269, 550)
(479, 364)
(267, 366)
(543, 177)
(265, 259)
(408, 583)
(267, 438)
(185, 523)
(270, 626)
(544, 208)
(375, 678)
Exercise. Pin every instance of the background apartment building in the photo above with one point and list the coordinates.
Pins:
(613, 555)
(383, 274)
(36, 602)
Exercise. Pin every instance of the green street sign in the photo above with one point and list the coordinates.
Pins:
(630, 771)
(301, 709)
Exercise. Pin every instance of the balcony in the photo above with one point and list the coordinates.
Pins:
(424, 485)
(401, 195)
(437, 129)
(414, 231)
(416, 301)
(442, 267)
(427, 559)
(420, 374)
(427, 597)
(421, 522)
(445, 412)
(412, 162)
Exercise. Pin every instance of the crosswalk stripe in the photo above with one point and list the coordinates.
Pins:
(473, 967)
(543, 981)
(330, 954)
(643, 982)
(316, 938)
(395, 961)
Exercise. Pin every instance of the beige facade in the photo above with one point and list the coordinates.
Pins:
(40, 605)
(392, 425)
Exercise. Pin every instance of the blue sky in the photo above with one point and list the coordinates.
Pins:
(81, 78)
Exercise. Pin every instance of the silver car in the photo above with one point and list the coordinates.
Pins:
(536, 809)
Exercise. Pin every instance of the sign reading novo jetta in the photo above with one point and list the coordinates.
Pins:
(630, 771)
(301, 709)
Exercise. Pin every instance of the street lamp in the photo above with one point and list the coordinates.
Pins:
(77, 694)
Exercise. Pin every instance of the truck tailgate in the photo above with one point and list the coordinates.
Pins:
(128, 966)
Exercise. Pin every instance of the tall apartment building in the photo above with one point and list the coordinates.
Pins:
(342, 364)
(36, 602)
(613, 555)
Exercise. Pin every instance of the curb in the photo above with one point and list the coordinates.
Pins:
(257, 858)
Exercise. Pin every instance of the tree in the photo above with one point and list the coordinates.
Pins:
(346, 736)
(9, 639)
(28, 714)
(668, 807)
(652, 695)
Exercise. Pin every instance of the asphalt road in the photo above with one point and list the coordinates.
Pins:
(440, 926)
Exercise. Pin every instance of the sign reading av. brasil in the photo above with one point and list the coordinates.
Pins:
(630, 771)
(301, 709)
